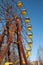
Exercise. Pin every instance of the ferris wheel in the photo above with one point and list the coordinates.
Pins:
(15, 28)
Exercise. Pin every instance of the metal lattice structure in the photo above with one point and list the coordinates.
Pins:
(15, 28)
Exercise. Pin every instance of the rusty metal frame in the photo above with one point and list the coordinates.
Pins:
(19, 40)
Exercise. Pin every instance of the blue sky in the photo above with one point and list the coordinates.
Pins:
(35, 12)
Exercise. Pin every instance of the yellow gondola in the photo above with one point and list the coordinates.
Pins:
(28, 49)
(30, 44)
(29, 28)
(30, 36)
(29, 54)
(27, 20)
(19, 4)
(24, 12)
(8, 63)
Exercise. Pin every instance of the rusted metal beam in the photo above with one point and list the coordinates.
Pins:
(2, 37)
(1, 40)
(11, 34)
(19, 50)
(20, 42)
